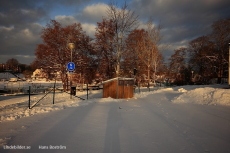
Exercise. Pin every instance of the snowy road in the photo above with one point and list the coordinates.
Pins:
(151, 124)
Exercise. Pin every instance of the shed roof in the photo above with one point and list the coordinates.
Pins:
(118, 78)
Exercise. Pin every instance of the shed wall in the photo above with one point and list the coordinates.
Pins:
(109, 89)
(125, 89)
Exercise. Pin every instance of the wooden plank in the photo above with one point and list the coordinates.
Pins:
(125, 89)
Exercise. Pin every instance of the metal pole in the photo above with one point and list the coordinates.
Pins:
(11, 87)
(29, 97)
(71, 78)
(149, 86)
(139, 86)
(87, 90)
(71, 46)
(54, 89)
(229, 64)
(117, 88)
(71, 55)
(128, 90)
(123, 88)
(19, 87)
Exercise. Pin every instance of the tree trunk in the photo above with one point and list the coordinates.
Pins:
(154, 73)
(148, 74)
(64, 78)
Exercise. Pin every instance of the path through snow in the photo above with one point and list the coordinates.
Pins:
(157, 121)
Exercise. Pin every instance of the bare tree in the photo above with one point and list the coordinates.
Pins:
(199, 50)
(54, 50)
(106, 54)
(221, 37)
(124, 21)
(208, 55)
(12, 64)
(177, 65)
(130, 55)
(154, 39)
(149, 49)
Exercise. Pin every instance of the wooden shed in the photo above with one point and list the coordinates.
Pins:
(118, 88)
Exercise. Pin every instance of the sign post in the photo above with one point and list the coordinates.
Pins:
(71, 67)
(29, 95)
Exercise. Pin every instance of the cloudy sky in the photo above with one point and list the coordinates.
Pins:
(21, 21)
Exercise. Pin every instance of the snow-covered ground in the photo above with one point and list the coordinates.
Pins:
(16, 115)
(198, 94)
(15, 107)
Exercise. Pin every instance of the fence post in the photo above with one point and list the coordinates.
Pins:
(11, 88)
(139, 86)
(54, 90)
(29, 96)
(87, 90)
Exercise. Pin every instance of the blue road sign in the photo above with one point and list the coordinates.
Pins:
(71, 66)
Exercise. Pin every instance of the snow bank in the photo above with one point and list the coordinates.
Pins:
(204, 96)
(182, 90)
(16, 108)
(157, 90)
(197, 94)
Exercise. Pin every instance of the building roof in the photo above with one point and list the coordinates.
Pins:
(118, 78)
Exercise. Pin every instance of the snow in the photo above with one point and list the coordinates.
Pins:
(6, 75)
(25, 85)
(180, 109)
(118, 78)
(17, 107)
(204, 96)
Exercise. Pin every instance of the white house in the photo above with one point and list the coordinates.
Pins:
(39, 74)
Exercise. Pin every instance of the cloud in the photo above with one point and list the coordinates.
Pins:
(23, 59)
(186, 12)
(182, 20)
(66, 20)
(21, 24)
(21, 21)
(16, 40)
(89, 28)
(14, 13)
(92, 13)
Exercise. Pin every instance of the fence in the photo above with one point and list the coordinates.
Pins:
(21, 87)
(150, 87)
(34, 104)
(54, 89)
